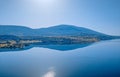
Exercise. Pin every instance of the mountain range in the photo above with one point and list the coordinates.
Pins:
(59, 30)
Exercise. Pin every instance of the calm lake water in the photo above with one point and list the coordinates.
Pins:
(100, 59)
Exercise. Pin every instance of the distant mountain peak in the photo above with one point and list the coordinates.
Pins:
(58, 30)
(63, 26)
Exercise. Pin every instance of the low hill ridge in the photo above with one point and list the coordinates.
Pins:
(59, 30)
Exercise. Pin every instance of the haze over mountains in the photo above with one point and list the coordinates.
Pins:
(59, 30)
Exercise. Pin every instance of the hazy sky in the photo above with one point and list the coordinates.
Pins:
(99, 15)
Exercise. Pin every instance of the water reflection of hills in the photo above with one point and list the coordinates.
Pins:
(53, 47)
(65, 47)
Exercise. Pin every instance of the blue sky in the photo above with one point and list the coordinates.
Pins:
(99, 15)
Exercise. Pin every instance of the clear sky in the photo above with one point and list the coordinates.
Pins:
(99, 15)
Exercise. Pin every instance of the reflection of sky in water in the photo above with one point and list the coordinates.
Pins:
(98, 60)
(50, 73)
